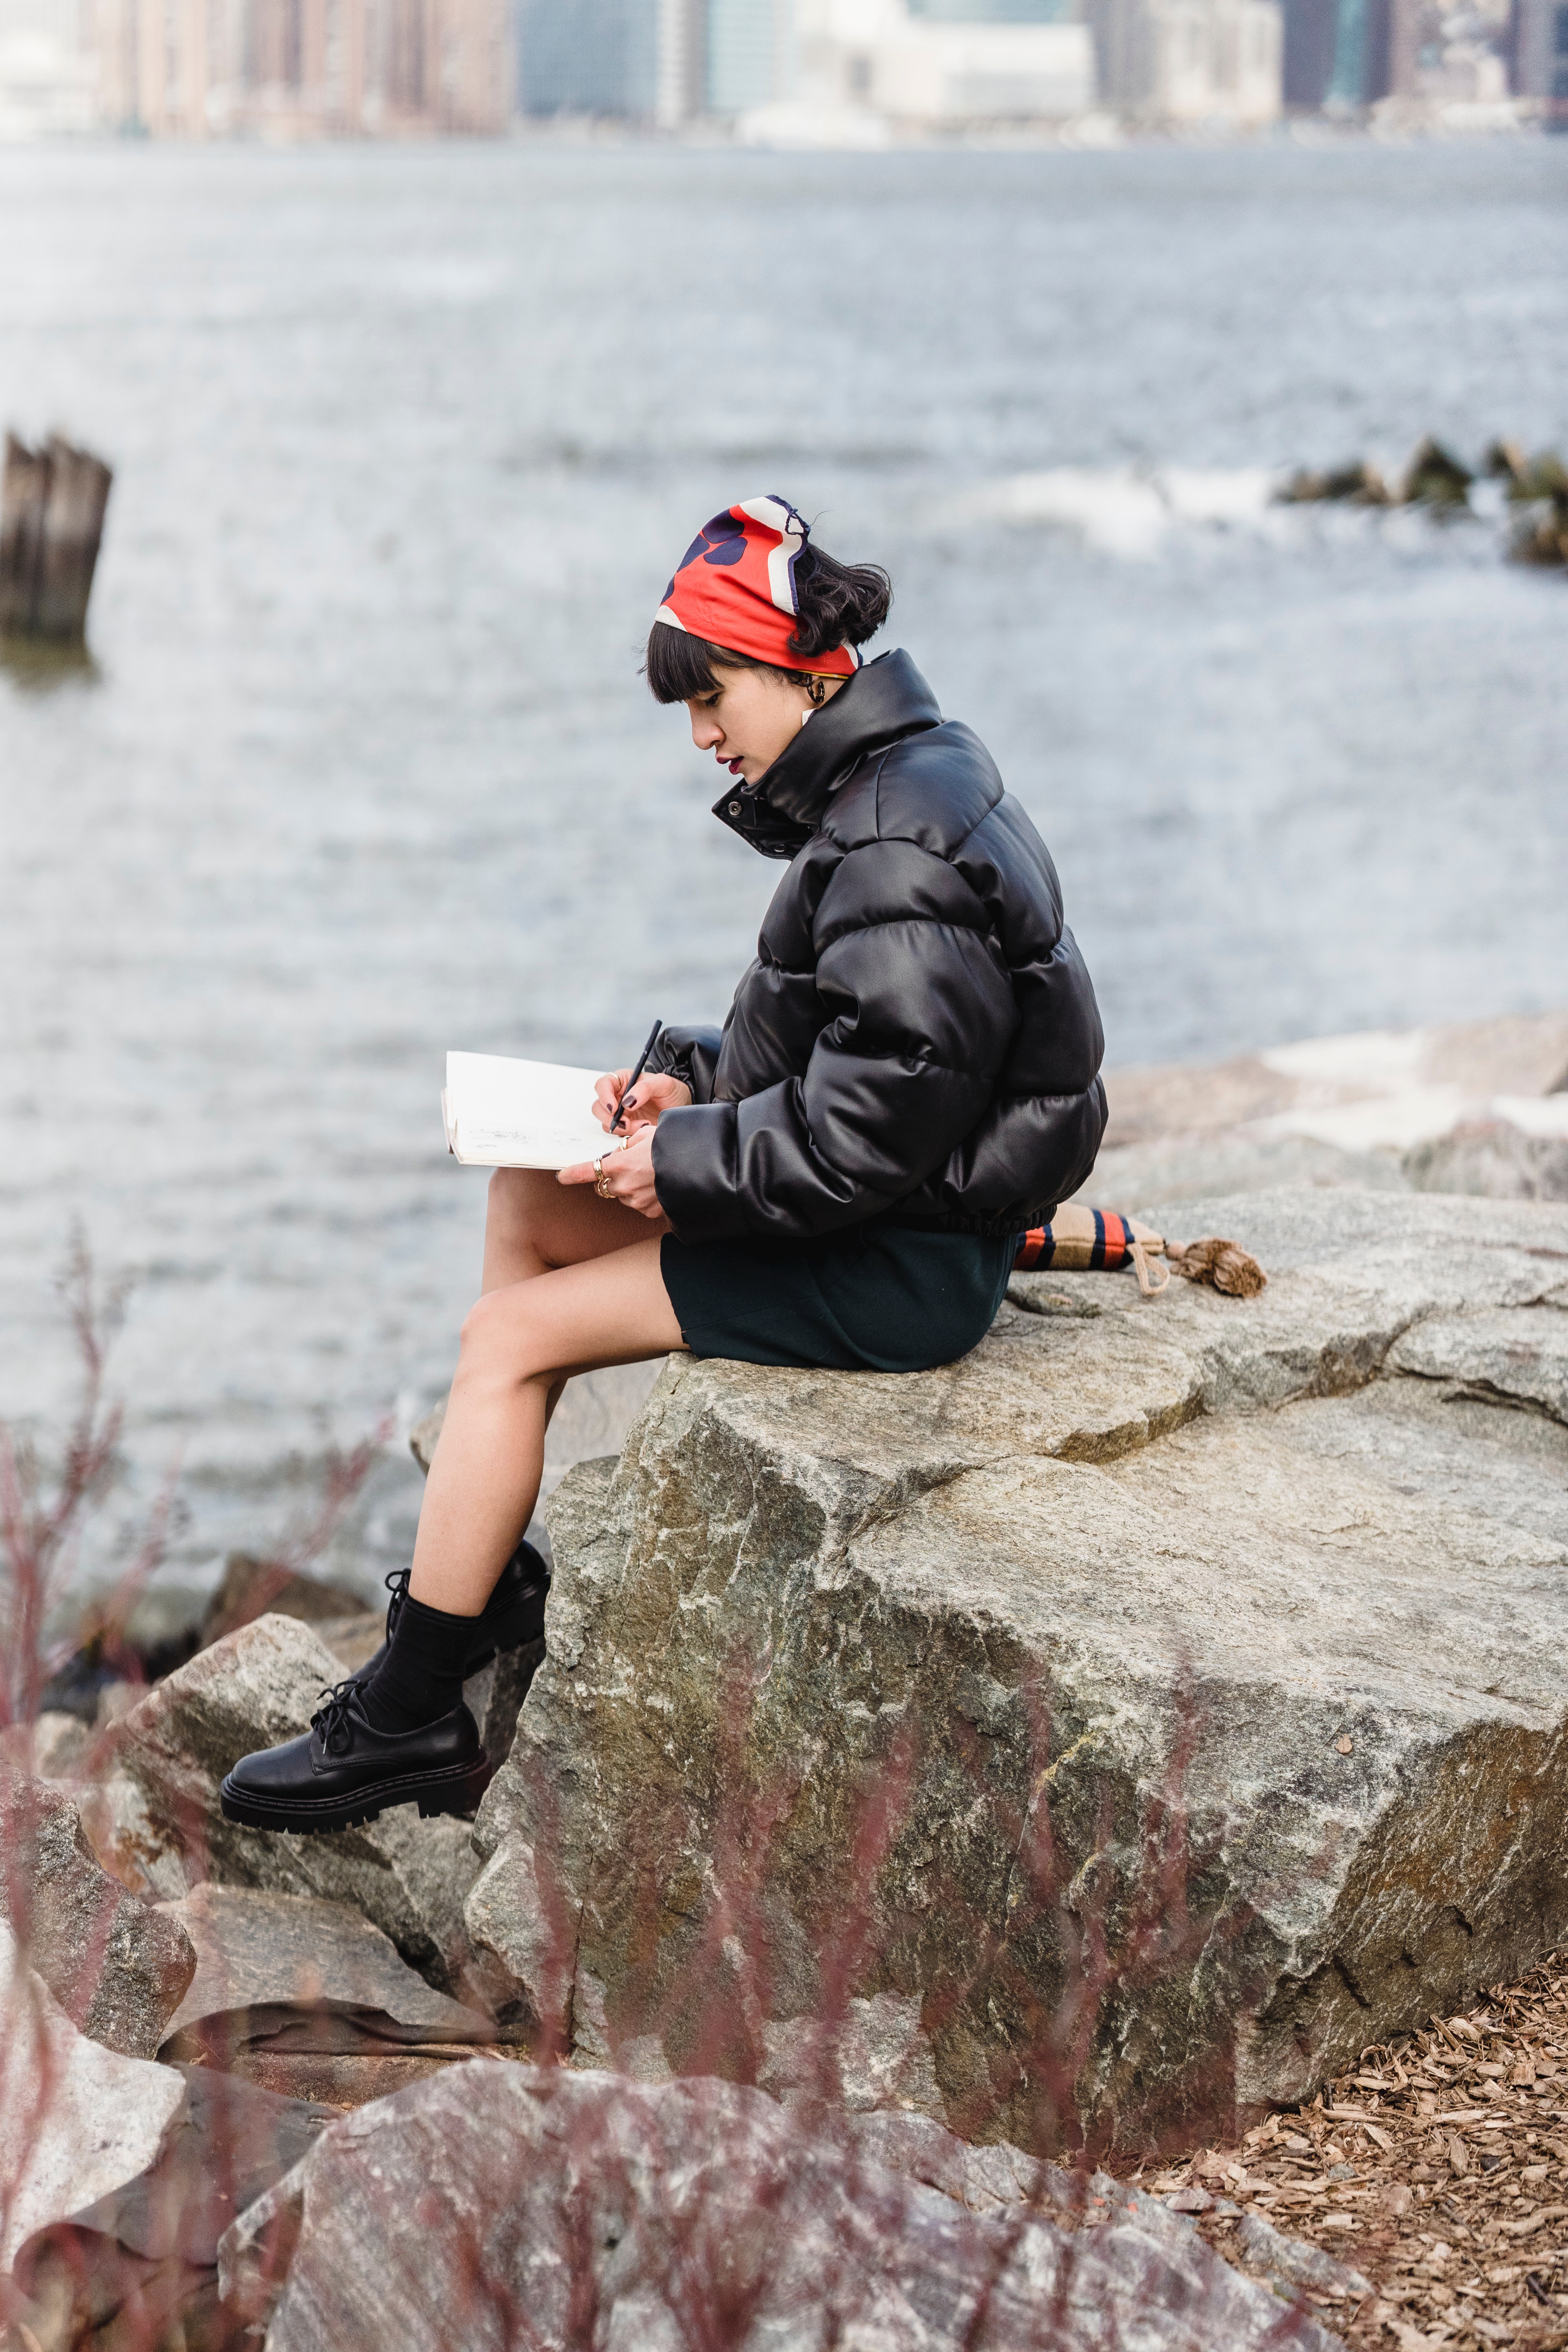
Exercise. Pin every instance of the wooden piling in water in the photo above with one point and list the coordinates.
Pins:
(52, 504)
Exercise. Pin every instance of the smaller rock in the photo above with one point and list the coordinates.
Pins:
(253, 1588)
(353, 1640)
(152, 2244)
(118, 1968)
(1355, 484)
(49, 1749)
(1293, 2262)
(1492, 1159)
(76, 2120)
(1434, 477)
(290, 1971)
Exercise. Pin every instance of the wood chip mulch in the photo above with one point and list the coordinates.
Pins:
(1437, 2169)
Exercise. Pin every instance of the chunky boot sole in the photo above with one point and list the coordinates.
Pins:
(454, 1790)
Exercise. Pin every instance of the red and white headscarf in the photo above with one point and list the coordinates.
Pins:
(735, 586)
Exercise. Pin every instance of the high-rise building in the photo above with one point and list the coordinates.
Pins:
(994, 12)
(1190, 60)
(1538, 53)
(588, 57)
(750, 54)
(192, 68)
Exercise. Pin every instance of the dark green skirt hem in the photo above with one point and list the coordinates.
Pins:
(876, 1298)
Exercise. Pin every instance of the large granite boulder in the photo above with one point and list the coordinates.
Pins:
(499, 2205)
(1166, 1701)
(118, 1968)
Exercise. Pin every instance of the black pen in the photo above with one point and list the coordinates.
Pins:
(642, 1064)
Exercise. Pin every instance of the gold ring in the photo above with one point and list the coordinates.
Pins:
(598, 1172)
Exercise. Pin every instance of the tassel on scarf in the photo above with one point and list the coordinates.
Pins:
(1096, 1240)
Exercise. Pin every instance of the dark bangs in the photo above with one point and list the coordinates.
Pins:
(679, 667)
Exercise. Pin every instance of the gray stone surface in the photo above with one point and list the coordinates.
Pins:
(1296, 2262)
(252, 1689)
(117, 1966)
(617, 2216)
(1231, 1632)
(51, 1748)
(294, 1970)
(1491, 1158)
(76, 2120)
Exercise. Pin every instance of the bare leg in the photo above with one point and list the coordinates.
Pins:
(534, 1226)
(586, 1291)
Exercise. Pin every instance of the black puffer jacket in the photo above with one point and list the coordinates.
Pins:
(918, 1037)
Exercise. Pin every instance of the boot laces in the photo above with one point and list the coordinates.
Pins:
(397, 1585)
(333, 1720)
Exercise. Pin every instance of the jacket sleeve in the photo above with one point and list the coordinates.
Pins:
(689, 1055)
(919, 1014)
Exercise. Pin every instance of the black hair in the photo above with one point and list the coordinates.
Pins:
(838, 605)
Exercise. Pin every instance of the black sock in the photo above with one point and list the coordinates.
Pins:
(421, 1677)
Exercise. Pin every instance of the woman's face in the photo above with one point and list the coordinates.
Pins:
(752, 718)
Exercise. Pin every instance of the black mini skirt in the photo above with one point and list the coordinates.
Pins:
(874, 1298)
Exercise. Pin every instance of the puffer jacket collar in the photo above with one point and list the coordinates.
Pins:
(779, 814)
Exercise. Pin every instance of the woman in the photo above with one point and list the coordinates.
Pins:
(906, 1081)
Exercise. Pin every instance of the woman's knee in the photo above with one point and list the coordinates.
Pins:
(497, 1341)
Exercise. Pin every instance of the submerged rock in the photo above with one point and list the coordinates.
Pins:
(611, 2213)
(117, 1967)
(1163, 1702)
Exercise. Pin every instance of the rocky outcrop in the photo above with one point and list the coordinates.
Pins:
(1161, 1704)
(1478, 1106)
(117, 1967)
(250, 1690)
(610, 2214)
(76, 2120)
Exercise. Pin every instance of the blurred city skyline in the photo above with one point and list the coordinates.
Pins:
(787, 73)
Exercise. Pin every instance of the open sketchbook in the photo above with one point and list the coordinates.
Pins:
(505, 1114)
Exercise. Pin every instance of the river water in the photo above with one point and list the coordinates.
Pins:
(407, 444)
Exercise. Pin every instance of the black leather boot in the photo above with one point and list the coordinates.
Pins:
(343, 1771)
(513, 1614)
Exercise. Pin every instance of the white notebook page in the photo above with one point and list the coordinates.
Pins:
(501, 1113)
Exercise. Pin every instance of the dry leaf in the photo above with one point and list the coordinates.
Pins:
(1459, 2155)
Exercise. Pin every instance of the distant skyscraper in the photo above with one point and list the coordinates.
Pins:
(749, 54)
(994, 12)
(1538, 53)
(588, 57)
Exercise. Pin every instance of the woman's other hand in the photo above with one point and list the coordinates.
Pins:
(627, 1167)
(651, 1095)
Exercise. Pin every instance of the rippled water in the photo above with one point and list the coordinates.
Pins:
(406, 443)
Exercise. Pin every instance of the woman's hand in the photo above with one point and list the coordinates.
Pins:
(651, 1095)
(627, 1168)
